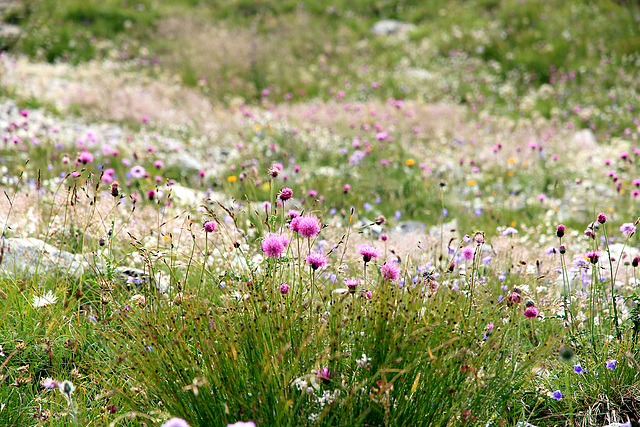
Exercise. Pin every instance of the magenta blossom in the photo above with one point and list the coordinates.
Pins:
(316, 260)
(273, 245)
(352, 284)
(390, 271)
(592, 256)
(531, 312)
(85, 157)
(467, 252)
(368, 252)
(307, 225)
(210, 226)
(324, 374)
(285, 194)
(628, 228)
(284, 289)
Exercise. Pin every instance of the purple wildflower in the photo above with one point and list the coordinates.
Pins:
(176, 422)
(556, 395)
(368, 252)
(316, 260)
(284, 289)
(324, 374)
(352, 284)
(628, 228)
(467, 252)
(273, 245)
(210, 226)
(611, 364)
(138, 172)
(307, 225)
(592, 256)
(285, 194)
(578, 369)
(531, 312)
(602, 218)
(390, 271)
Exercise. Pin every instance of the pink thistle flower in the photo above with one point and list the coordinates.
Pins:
(602, 218)
(138, 172)
(560, 230)
(293, 213)
(467, 252)
(368, 252)
(530, 312)
(307, 225)
(592, 256)
(273, 245)
(85, 157)
(324, 374)
(316, 260)
(627, 228)
(352, 284)
(284, 289)
(285, 194)
(210, 226)
(390, 271)
(158, 164)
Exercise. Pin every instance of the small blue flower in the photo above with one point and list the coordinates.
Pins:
(578, 369)
(367, 206)
(556, 395)
(611, 364)
(397, 215)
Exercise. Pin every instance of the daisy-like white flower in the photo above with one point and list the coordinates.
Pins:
(44, 300)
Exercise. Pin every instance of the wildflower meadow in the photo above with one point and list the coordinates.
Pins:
(322, 213)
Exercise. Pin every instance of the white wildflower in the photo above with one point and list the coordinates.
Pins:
(44, 300)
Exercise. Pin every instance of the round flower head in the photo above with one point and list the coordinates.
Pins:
(479, 237)
(285, 194)
(293, 213)
(578, 369)
(368, 252)
(316, 260)
(592, 256)
(176, 422)
(602, 218)
(138, 172)
(273, 245)
(556, 395)
(352, 284)
(611, 364)
(635, 262)
(210, 226)
(85, 157)
(560, 230)
(467, 252)
(515, 297)
(627, 228)
(307, 225)
(509, 230)
(531, 312)
(324, 374)
(284, 289)
(390, 271)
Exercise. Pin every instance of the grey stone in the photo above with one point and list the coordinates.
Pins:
(410, 227)
(36, 257)
(388, 27)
